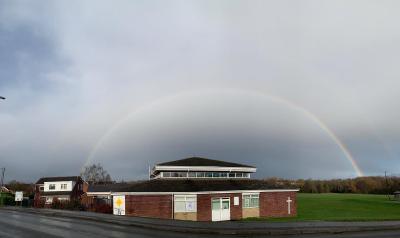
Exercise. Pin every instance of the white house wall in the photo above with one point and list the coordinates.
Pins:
(70, 186)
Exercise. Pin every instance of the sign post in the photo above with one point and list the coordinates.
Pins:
(19, 196)
(119, 205)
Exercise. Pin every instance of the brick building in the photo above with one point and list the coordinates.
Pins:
(201, 189)
(59, 188)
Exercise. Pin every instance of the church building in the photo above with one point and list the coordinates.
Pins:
(200, 189)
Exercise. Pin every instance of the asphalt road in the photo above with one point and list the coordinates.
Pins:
(20, 224)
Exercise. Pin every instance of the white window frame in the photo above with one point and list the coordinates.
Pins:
(52, 184)
(64, 186)
(250, 196)
(186, 199)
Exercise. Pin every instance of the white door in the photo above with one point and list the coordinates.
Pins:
(221, 210)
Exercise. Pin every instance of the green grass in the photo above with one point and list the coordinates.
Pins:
(342, 207)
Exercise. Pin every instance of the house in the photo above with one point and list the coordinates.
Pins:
(61, 188)
(201, 189)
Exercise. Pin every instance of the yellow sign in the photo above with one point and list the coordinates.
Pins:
(119, 205)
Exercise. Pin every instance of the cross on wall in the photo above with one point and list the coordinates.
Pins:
(288, 203)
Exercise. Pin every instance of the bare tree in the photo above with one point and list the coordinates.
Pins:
(95, 173)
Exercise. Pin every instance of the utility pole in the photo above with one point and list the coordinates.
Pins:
(3, 170)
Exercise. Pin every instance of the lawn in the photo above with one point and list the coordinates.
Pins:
(343, 207)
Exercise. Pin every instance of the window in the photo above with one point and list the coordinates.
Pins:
(200, 174)
(52, 187)
(250, 200)
(41, 188)
(216, 175)
(49, 200)
(185, 203)
(166, 174)
(64, 186)
(231, 175)
(192, 174)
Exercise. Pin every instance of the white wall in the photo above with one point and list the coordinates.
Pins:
(70, 186)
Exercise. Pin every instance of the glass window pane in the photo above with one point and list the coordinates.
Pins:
(190, 206)
(166, 174)
(231, 175)
(238, 175)
(208, 174)
(254, 202)
(200, 174)
(224, 175)
(180, 206)
(174, 174)
(216, 175)
(216, 205)
(225, 204)
(192, 174)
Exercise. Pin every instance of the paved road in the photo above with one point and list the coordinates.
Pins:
(19, 224)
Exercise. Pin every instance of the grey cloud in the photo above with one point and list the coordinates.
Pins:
(89, 64)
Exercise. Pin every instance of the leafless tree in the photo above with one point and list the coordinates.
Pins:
(95, 174)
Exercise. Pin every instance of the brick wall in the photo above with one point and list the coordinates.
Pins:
(156, 206)
(273, 204)
(204, 206)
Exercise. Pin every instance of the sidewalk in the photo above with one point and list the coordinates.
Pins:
(228, 227)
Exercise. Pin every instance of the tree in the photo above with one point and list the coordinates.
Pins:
(95, 174)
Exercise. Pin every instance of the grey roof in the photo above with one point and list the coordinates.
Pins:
(55, 179)
(107, 187)
(197, 161)
(189, 185)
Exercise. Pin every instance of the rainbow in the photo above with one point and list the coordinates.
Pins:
(264, 95)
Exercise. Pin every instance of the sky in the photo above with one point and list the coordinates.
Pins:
(299, 89)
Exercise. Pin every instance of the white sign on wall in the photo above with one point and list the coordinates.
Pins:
(236, 201)
(119, 205)
(19, 196)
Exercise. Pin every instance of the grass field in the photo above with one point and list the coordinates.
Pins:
(343, 207)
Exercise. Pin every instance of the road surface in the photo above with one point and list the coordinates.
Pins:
(20, 224)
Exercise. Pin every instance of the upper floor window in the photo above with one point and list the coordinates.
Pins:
(41, 188)
(52, 187)
(176, 174)
(64, 186)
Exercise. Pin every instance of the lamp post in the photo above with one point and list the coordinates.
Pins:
(2, 173)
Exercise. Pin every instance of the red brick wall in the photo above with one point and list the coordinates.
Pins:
(204, 206)
(156, 206)
(273, 204)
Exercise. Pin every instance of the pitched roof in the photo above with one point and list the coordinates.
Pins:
(196, 185)
(107, 187)
(55, 179)
(198, 161)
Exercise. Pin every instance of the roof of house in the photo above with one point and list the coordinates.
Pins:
(190, 185)
(107, 187)
(55, 179)
(197, 161)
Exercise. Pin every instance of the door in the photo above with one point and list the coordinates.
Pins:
(221, 210)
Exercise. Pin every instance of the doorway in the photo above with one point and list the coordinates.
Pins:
(221, 209)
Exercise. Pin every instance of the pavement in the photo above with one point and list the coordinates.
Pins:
(45, 222)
